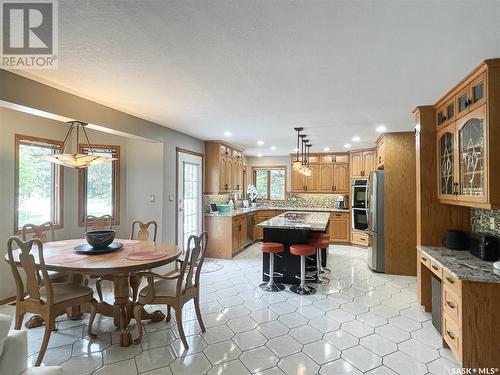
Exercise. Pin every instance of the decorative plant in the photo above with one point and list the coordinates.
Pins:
(252, 192)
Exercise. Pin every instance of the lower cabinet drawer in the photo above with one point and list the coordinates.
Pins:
(359, 238)
(436, 269)
(425, 260)
(452, 306)
(453, 283)
(451, 334)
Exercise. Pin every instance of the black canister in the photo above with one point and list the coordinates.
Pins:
(456, 240)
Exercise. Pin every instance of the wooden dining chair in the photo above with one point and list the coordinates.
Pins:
(176, 288)
(141, 235)
(47, 299)
(98, 222)
(39, 231)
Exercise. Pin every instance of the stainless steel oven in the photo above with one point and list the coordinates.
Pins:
(359, 219)
(358, 197)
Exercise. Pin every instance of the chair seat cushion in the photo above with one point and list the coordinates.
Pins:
(302, 250)
(272, 247)
(162, 288)
(45, 370)
(66, 291)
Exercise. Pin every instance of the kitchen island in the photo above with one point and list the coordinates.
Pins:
(292, 227)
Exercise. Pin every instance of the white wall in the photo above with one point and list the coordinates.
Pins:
(270, 161)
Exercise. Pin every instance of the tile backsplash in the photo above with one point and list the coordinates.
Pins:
(481, 221)
(291, 200)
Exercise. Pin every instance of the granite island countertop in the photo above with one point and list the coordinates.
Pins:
(299, 220)
(242, 211)
(462, 264)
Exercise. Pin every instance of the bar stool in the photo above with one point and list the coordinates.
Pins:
(272, 248)
(325, 242)
(303, 251)
(319, 243)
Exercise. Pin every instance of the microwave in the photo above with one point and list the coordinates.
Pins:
(358, 189)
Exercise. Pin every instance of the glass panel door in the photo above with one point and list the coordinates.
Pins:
(446, 164)
(189, 197)
(471, 157)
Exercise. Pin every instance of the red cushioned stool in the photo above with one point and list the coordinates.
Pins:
(303, 251)
(319, 244)
(272, 248)
(324, 242)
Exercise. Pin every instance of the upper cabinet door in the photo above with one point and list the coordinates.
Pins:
(222, 175)
(472, 171)
(478, 92)
(341, 178)
(297, 181)
(368, 162)
(356, 165)
(447, 186)
(312, 181)
(229, 174)
(326, 178)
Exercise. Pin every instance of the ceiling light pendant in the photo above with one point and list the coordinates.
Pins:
(76, 160)
(297, 163)
(308, 170)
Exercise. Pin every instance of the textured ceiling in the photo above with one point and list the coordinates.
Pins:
(259, 68)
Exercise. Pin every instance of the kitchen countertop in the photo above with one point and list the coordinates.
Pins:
(300, 220)
(462, 264)
(242, 211)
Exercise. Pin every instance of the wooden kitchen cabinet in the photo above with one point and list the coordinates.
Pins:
(228, 235)
(380, 153)
(467, 157)
(339, 227)
(329, 174)
(362, 163)
(259, 217)
(224, 168)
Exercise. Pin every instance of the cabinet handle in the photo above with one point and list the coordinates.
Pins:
(450, 280)
(332, 188)
(434, 267)
(424, 259)
(450, 304)
(469, 101)
(380, 159)
(450, 334)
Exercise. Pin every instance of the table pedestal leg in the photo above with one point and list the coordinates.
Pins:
(75, 312)
(121, 313)
(155, 316)
(34, 321)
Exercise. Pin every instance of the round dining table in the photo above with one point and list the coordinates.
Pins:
(120, 266)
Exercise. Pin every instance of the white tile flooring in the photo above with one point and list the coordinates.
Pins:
(362, 323)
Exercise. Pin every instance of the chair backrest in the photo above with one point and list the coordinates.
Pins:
(39, 231)
(98, 222)
(143, 233)
(30, 268)
(193, 262)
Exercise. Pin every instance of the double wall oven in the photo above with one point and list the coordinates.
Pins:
(359, 204)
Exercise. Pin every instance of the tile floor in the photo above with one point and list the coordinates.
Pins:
(361, 323)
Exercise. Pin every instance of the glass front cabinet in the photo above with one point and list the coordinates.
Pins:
(468, 149)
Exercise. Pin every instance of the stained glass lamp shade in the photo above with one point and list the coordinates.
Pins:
(77, 160)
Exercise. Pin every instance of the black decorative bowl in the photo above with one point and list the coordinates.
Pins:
(101, 238)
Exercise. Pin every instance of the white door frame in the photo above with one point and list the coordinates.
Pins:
(183, 157)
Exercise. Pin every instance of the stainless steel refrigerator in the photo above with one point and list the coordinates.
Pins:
(375, 213)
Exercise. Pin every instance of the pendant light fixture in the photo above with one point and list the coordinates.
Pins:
(297, 163)
(77, 160)
(308, 170)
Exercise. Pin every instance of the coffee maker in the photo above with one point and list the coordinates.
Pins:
(343, 202)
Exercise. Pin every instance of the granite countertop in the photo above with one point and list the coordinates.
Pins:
(242, 211)
(300, 220)
(462, 264)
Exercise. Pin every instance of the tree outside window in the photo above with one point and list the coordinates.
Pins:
(270, 182)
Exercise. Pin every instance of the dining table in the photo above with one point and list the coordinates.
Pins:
(120, 266)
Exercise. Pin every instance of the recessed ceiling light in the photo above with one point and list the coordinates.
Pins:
(273, 148)
(259, 155)
(347, 145)
(326, 149)
(356, 138)
(260, 143)
(228, 134)
(381, 129)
